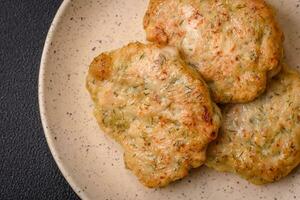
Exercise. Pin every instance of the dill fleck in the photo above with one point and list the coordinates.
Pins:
(188, 89)
(240, 155)
(193, 65)
(231, 130)
(142, 56)
(240, 6)
(163, 59)
(146, 92)
(174, 80)
(116, 94)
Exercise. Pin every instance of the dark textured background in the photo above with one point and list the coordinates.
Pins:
(27, 169)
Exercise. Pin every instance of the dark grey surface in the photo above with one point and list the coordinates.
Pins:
(27, 169)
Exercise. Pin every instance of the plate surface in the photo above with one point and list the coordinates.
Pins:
(92, 162)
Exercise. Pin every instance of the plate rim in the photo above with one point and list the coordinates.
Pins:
(41, 99)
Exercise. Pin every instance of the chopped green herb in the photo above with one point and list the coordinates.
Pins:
(142, 56)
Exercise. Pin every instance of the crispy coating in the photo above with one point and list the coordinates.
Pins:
(156, 107)
(260, 140)
(235, 44)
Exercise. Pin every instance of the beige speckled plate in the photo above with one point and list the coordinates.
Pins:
(91, 162)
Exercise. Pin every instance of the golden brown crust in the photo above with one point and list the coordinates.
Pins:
(100, 67)
(156, 107)
(260, 141)
(235, 44)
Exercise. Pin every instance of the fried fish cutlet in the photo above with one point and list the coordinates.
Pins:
(260, 140)
(156, 107)
(235, 44)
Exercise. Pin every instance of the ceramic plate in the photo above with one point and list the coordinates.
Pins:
(90, 161)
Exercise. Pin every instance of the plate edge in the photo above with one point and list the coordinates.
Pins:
(41, 88)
